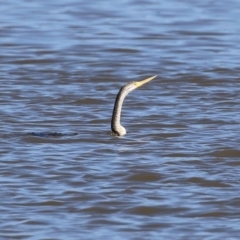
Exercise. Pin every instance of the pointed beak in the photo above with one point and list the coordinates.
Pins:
(139, 84)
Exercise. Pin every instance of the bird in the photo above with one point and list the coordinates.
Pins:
(117, 128)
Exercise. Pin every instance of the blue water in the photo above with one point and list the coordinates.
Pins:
(174, 175)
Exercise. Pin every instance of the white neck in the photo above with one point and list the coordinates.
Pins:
(116, 126)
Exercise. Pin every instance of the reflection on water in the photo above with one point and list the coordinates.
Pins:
(174, 175)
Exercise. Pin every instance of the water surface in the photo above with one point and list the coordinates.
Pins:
(175, 175)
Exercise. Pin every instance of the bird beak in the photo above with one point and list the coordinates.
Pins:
(139, 84)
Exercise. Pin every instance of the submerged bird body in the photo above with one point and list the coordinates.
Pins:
(116, 126)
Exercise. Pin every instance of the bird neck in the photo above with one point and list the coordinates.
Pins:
(116, 126)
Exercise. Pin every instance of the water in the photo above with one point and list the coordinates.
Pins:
(175, 175)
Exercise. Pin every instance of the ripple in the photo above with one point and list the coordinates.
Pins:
(174, 174)
(227, 153)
